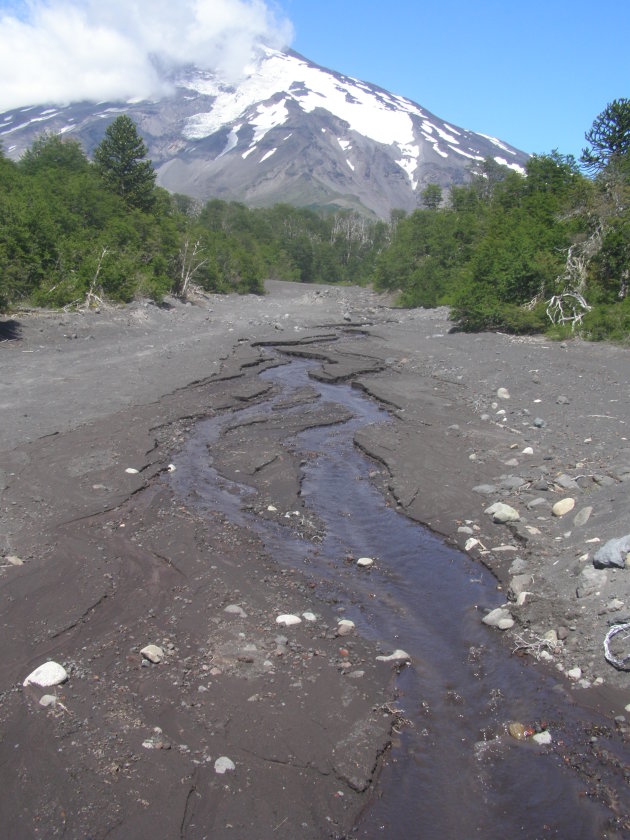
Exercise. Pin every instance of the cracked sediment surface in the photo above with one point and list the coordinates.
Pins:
(112, 561)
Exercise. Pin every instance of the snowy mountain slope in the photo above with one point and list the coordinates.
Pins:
(290, 131)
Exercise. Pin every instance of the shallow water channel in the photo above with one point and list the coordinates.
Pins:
(454, 772)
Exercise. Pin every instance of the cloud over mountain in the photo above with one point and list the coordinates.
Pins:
(63, 51)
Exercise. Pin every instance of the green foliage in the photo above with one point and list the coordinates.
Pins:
(120, 160)
(609, 137)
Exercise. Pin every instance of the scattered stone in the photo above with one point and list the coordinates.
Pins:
(48, 700)
(539, 423)
(132, 471)
(396, 656)
(615, 605)
(511, 463)
(224, 765)
(518, 566)
(153, 653)
(582, 516)
(485, 489)
(48, 674)
(528, 451)
(551, 636)
(13, 560)
(590, 580)
(501, 618)
(575, 674)
(502, 513)
(513, 482)
(562, 400)
(288, 620)
(365, 562)
(517, 731)
(345, 627)
(566, 482)
(356, 675)
(470, 544)
(171, 468)
(309, 616)
(503, 394)
(563, 507)
(542, 738)
(613, 553)
(235, 609)
(464, 529)
(519, 584)
(272, 508)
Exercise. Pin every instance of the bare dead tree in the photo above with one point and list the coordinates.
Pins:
(190, 264)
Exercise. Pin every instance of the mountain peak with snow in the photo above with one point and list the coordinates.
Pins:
(288, 131)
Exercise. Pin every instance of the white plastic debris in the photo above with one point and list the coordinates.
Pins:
(620, 664)
(48, 674)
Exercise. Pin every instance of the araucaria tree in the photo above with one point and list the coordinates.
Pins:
(120, 160)
(609, 137)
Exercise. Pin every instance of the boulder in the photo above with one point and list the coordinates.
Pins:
(613, 553)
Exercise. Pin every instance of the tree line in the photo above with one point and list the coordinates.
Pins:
(522, 253)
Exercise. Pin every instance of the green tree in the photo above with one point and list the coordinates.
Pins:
(431, 196)
(120, 160)
(609, 137)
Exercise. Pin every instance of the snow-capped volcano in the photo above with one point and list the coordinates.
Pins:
(289, 131)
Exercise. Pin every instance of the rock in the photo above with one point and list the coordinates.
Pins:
(582, 516)
(48, 674)
(365, 562)
(539, 423)
(566, 482)
(396, 656)
(528, 451)
(517, 731)
(518, 566)
(503, 394)
(590, 580)
(287, 620)
(511, 463)
(47, 700)
(562, 400)
(612, 553)
(235, 609)
(502, 513)
(542, 738)
(224, 765)
(575, 674)
(465, 529)
(563, 507)
(345, 627)
(132, 471)
(309, 616)
(272, 508)
(500, 618)
(519, 584)
(551, 636)
(513, 482)
(470, 544)
(485, 489)
(153, 653)
(13, 560)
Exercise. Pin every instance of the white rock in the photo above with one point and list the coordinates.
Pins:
(500, 618)
(272, 508)
(365, 562)
(235, 609)
(471, 543)
(224, 765)
(563, 506)
(50, 673)
(287, 620)
(132, 471)
(528, 451)
(396, 656)
(503, 394)
(47, 700)
(309, 616)
(502, 513)
(153, 653)
(575, 674)
(171, 467)
(542, 738)
(13, 560)
(345, 627)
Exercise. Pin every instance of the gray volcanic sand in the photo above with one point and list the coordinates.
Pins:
(110, 561)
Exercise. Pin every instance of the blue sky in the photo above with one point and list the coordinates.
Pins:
(534, 73)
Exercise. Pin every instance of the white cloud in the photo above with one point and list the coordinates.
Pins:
(63, 50)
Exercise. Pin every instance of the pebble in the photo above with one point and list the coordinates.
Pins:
(503, 394)
(613, 553)
(309, 616)
(396, 656)
(470, 544)
(575, 674)
(517, 730)
(235, 609)
(539, 422)
(287, 620)
(590, 580)
(582, 516)
(500, 618)
(563, 507)
(542, 738)
(345, 627)
(502, 513)
(48, 674)
(365, 562)
(485, 489)
(47, 700)
(224, 765)
(153, 653)
(528, 451)
(13, 560)
(132, 471)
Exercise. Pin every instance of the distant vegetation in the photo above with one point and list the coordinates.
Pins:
(548, 250)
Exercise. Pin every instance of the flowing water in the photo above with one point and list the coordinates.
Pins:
(454, 772)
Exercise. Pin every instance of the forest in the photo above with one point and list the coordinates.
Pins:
(548, 251)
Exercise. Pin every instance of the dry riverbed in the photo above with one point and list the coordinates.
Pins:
(234, 724)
